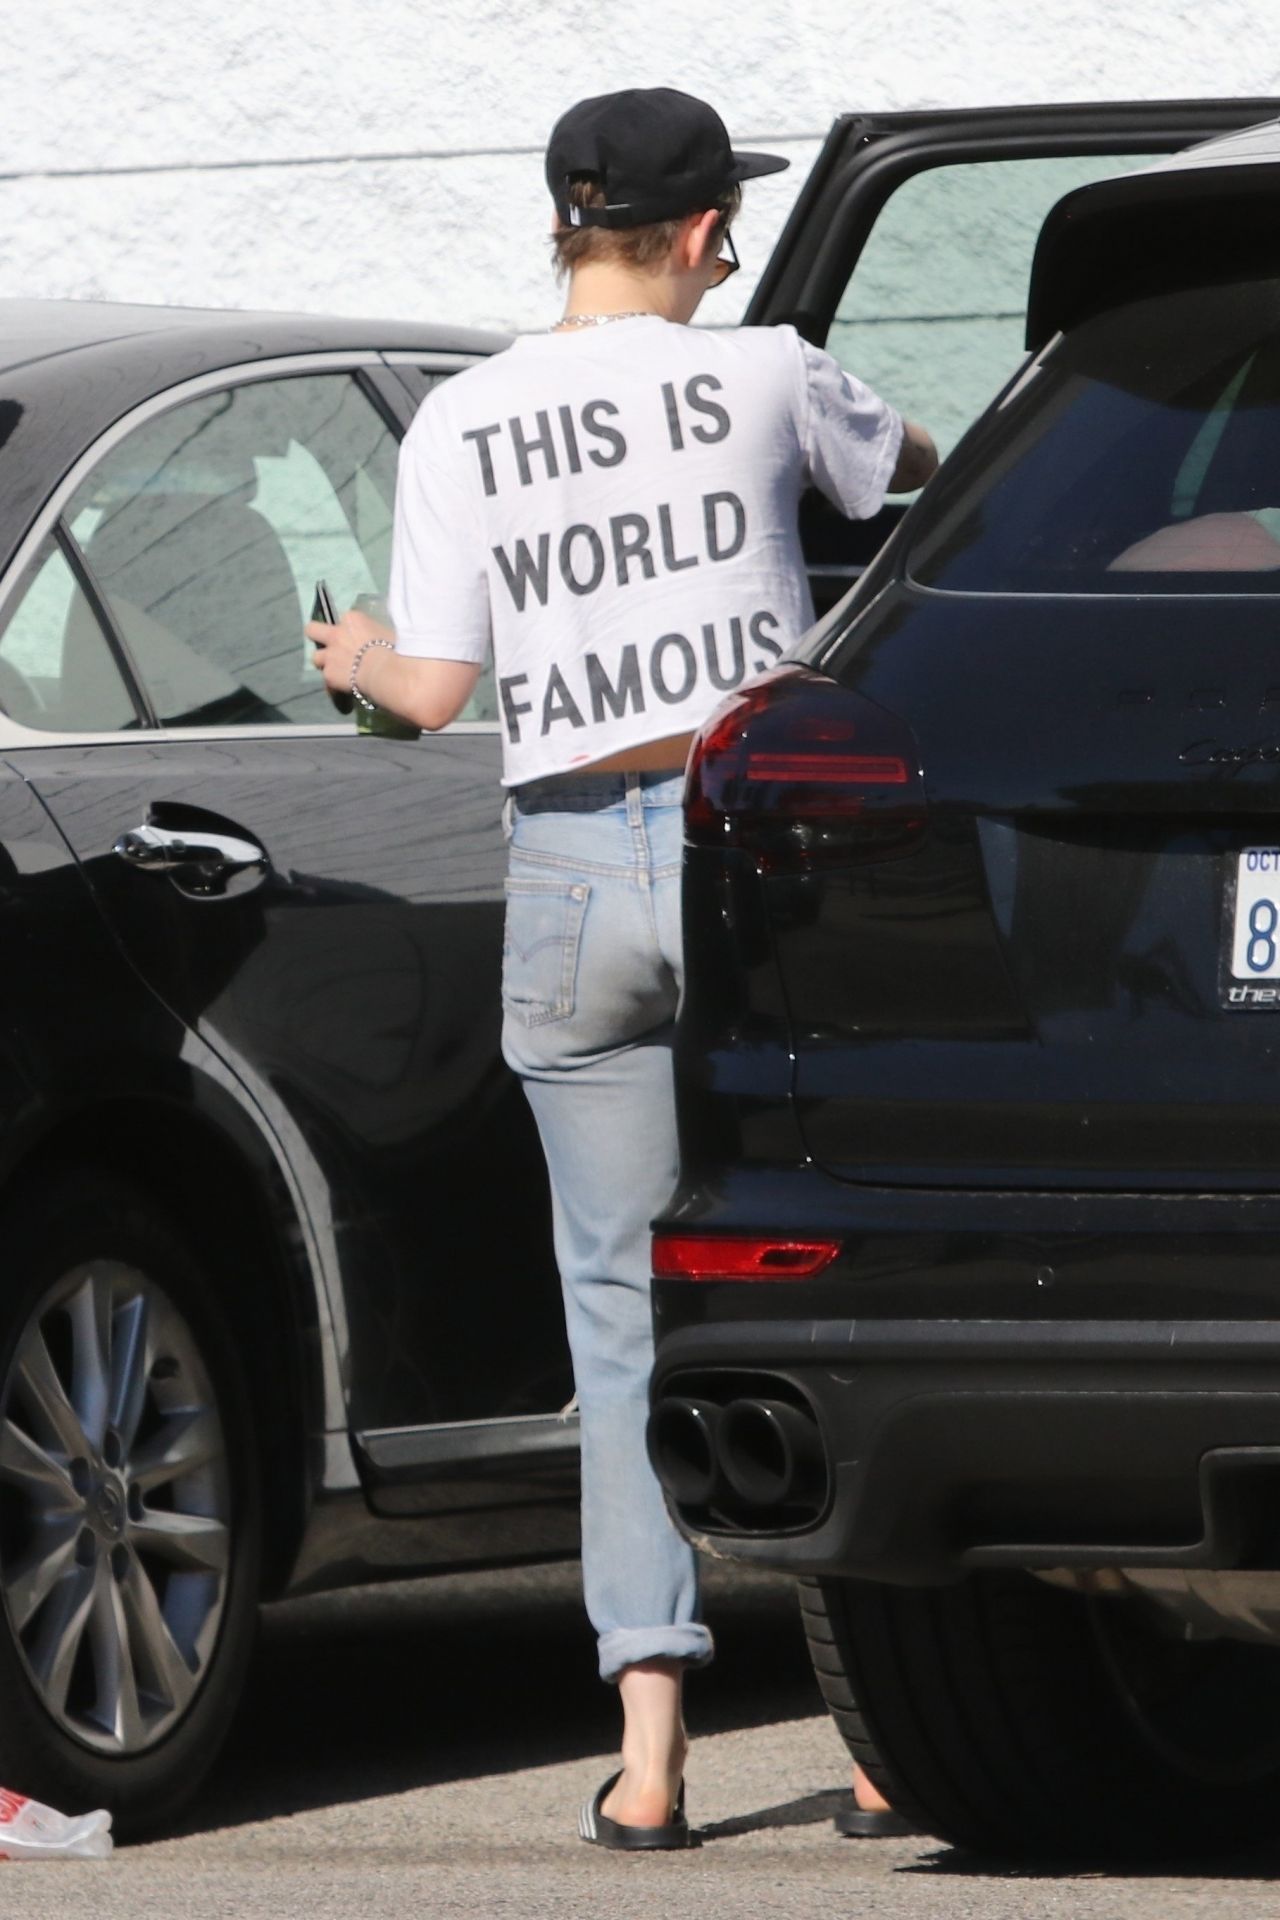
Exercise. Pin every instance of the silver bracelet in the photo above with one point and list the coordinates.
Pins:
(370, 706)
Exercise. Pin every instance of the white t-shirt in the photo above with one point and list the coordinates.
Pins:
(613, 511)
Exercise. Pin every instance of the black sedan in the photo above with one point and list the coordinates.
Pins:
(969, 1301)
(280, 1308)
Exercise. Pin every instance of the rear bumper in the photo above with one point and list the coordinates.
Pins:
(950, 1444)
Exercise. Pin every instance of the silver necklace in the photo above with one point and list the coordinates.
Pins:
(599, 319)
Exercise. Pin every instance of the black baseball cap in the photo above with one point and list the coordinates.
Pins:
(656, 153)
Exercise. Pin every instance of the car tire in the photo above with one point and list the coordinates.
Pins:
(1015, 1718)
(118, 1683)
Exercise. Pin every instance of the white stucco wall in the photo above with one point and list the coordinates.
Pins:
(385, 156)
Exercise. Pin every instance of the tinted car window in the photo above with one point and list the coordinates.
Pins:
(57, 671)
(1142, 456)
(933, 315)
(208, 527)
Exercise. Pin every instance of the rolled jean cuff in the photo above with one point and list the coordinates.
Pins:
(627, 1646)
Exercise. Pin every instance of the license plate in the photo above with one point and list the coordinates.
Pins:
(1252, 957)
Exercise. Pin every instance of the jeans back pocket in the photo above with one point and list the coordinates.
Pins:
(541, 937)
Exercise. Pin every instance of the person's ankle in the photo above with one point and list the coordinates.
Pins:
(647, 1763)
(646, 1796)
(866, 1797)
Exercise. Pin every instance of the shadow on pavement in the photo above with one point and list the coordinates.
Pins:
(814, 1809)
(1254, 1863)
(384, 1689)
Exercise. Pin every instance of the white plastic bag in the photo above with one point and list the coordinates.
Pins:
(30, 1831)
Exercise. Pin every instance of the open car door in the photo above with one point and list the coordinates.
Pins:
(908, 256)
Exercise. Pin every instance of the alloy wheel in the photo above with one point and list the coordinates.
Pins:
(115, 1508)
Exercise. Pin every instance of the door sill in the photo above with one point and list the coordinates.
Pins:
(400, 1456)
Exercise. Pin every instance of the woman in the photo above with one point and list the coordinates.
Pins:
(611, 507)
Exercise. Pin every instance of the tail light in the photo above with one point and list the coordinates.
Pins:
(726, 1256)
(803, 773)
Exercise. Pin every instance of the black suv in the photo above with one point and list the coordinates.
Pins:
(969, 1301)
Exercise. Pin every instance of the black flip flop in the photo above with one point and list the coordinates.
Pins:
(858, 1823)
(601, 1831)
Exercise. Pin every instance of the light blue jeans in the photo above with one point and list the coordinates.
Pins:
(591, 975)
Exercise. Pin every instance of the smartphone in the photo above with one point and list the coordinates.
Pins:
(322, 608)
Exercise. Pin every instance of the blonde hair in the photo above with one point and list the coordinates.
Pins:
(642, 248)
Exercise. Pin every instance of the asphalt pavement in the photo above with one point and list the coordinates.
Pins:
(421, 1750)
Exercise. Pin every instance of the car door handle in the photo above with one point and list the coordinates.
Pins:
(201, 861)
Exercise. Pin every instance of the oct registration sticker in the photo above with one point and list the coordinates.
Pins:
(1252, 932)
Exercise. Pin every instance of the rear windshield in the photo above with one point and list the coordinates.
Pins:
(1141, 456)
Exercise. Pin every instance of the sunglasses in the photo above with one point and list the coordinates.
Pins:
(727, 262)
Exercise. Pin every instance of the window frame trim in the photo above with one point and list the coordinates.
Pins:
(118, 647)
(436, 360)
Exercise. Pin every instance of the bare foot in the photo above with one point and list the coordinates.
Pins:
(867, 1797)
(645, 1800)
